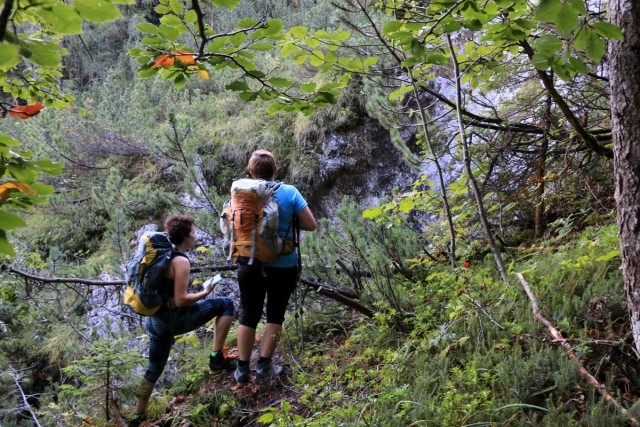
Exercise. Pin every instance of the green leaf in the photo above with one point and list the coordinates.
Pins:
(451, 27)
(162, 9)
(170, 33)
(145, 73)
(317, 58)
(341, 35)
(274, 26)
(436, 58)
(5, 246)
(147, 28)
(610, 255)
(299, 32)
(97, 10)
(45, 53)
(595, 48)
(367, 62)
(472, 24)
(43, 188)
(541, 62)
(21, 173)
(62, 18)
(548, 10)
(608, 30)
(176, 6)
(578, 65)
(280, 82)
(7, 141)
(246, 23)
(391, 26)
(579, 6)
(238, 39)
(582, 38)
(266, 418)
(548, 44)
(308, 87)
(171, 20)
(567, 19)
(8, 55)
(564, 71)
(248, 96)
(288, 49)
(228, 4)
(217, 44)
(191, 17)
(180, 80)
(372, 213)
(261, 46)
(237, 86)
(151, 41)
(400, 92)
(10, 221)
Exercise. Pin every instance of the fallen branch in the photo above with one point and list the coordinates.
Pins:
(336, 295)
(583, 372)
(27, 407)
(327, 291)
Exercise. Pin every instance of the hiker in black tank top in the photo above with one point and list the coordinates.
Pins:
(185, 312)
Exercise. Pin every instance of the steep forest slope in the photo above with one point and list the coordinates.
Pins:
(444, 150)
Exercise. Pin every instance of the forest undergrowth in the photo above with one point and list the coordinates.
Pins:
(444, 347)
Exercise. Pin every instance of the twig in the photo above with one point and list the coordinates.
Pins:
(27, 407)
(583, 372)
(486, 313)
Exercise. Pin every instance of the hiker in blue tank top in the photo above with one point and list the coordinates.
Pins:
(276, 281)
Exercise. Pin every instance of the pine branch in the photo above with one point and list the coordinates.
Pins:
(583, 372)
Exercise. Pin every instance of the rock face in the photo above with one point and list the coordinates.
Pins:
(361, 163)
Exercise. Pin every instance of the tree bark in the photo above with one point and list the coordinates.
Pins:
(541, 171)
(624, 83)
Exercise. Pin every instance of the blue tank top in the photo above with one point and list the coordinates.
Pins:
(291, 202)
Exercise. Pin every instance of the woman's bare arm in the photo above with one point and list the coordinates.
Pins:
(180, 268)
(307, 220)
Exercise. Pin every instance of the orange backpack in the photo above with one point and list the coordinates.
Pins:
(249, 222)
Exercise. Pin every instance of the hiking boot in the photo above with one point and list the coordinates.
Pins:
(136, 419)
(265, 369)
(241, 374)
(220, 362)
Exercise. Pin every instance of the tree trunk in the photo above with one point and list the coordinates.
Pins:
(624, 83)
(541, 171)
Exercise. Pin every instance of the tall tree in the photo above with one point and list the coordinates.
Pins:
(625, 110)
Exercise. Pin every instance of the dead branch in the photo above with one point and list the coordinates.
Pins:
(63, 279)
(338, 296)
(27, 407)
(583, 372)
(333, 293)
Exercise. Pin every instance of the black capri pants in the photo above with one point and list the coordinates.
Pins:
(256, 282)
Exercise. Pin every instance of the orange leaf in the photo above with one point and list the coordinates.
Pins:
(26, 111)
(6, 187)
(185, 57)
(204, 74)
(164, 60)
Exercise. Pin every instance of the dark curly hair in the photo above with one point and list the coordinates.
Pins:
(178, 227)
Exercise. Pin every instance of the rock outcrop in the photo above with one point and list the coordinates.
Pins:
(361, 162)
